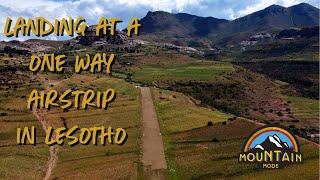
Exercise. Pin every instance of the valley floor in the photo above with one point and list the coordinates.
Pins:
(192, 149)
(203, 112)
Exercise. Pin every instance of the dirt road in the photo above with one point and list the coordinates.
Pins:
(53, 149)
(153, 159)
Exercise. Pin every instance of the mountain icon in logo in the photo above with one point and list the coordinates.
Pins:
(272, 143)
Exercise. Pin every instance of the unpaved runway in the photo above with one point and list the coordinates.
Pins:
(153, 159)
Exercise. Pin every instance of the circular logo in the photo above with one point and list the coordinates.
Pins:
(272, 147)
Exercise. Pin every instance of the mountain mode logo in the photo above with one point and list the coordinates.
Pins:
(271, 147)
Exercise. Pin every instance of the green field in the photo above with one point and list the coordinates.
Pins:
(26, 161)
(184, 71)
(305, 109)
(193, 149)
(97, 161)
(179, 113)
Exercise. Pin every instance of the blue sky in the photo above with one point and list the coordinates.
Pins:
(91, 10)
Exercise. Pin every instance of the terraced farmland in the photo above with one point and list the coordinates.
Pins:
(305, 109)
(199, 151)
(90, 161)
(26, 161)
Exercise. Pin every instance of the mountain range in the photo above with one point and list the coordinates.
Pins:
(208, 35)
(274, 18)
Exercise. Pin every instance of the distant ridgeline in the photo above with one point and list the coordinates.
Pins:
(42, 27)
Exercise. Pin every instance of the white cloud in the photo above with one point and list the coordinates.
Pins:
(165, 5)
(259, 5)
(91, 10)
(231, 13)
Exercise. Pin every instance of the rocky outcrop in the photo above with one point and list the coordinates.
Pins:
(90, 38)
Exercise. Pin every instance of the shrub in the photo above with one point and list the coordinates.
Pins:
(232, 119)
(279, 113)
(3, 114)
(215, 140)
(292, 126)
(295, 120)
(266, 122)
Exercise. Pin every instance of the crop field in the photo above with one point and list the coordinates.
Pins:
(185, 71)
(179, 113)
(162, 95)
(98, 161)
(305, 109)
(26, 161)
(198, 151)
(85, 161)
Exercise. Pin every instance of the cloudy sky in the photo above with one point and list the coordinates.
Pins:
(91, 10)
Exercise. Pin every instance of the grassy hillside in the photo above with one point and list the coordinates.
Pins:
(90, 161)
(234, 89)
(96, 161)
(299, 49)
(305, 109)
(302, 76)
(195, 150)
(26, 161)
(180, 113)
